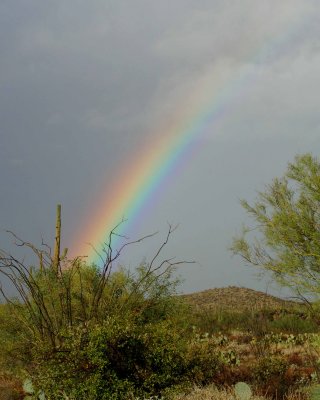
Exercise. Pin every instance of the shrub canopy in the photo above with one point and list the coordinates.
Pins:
(285, 239)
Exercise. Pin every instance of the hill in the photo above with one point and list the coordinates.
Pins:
(240, 299)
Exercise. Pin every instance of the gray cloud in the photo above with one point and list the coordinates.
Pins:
(84, 84)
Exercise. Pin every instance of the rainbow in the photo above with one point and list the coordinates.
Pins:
(135, 185)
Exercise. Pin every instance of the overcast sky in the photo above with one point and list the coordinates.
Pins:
(83, 84)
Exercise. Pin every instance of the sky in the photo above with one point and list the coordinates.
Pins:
(90, 89)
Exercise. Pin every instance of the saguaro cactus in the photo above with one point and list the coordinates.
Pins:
(56, 259)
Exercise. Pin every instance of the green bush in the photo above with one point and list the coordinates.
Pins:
(214, 321)
(129, 345)
(117, 360)
(269, 375)
(14, 341)
(292, 323)
(124, 359)
(204, 360)
(134, 346)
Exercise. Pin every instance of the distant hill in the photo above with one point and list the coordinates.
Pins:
(234, 298)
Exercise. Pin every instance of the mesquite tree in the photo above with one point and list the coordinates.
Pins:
(285, 239)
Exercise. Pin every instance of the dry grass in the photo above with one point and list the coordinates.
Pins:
(10, 388)
(212, 393)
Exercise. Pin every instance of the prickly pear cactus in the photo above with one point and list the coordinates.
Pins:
(242, 391)
(29, 390)
(27, 386)
(315, 393)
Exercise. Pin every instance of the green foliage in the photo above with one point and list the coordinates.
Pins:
(287, 219)
(293, 324)
(257, 323)
(269, 367)
(204, 360)
(269, 375)
(215, 321)
(230, 357)
(14, 341)
(136, 348)
(315, 392)
(123, 358)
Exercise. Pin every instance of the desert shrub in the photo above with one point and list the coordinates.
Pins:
(14, 341)
(214, 321)
(203, 359)
(257, 322)
(269, 375)
(117, 360)
(292, 323)
(136, 348)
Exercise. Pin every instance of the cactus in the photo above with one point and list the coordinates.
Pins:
(29, 390)
(242, 391)
(56, 259)
(27, 386)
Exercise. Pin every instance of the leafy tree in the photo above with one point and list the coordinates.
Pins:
(286, 237)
